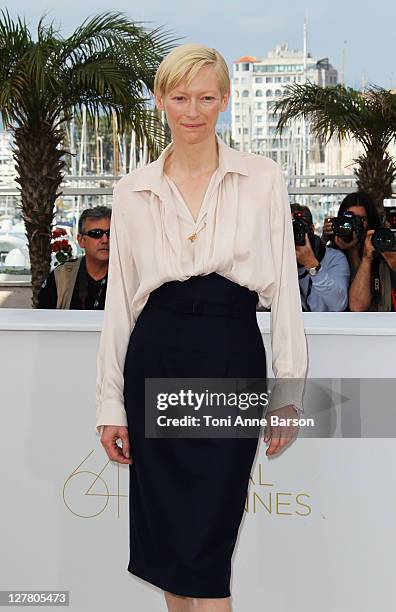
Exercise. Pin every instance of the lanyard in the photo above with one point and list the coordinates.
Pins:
(103, 284)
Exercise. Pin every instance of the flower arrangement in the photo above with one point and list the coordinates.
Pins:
(60, 246)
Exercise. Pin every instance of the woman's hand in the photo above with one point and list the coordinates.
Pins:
(280, 436)
(368, 248)
(347, 246)
(110, 435)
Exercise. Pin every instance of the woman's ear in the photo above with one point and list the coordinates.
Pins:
(224, 101)
(159, 101)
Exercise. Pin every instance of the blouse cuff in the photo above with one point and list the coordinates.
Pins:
(115, 415)
(287, 392)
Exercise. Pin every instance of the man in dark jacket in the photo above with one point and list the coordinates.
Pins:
(80, 283)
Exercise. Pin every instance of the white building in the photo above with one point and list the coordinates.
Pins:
(7, 163)
(256, 85)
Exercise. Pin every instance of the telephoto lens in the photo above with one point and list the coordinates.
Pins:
(384, 238)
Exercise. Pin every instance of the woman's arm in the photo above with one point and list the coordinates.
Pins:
(360, 291)
(288, 342)
(118, 321)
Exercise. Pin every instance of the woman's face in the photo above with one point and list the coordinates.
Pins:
(360, 211)
(192, 110)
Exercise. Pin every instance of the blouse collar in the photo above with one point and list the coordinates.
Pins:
(151, 177)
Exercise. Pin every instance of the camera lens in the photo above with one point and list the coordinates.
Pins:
(384, 240)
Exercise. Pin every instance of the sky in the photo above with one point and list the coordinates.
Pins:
(365, 31)
(236, 28)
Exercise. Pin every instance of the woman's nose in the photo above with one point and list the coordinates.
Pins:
(192, 108)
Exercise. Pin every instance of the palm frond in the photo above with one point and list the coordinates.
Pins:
(344, 112)
(330, 110)
(107, 61)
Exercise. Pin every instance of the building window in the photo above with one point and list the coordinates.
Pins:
(236, 67)
(237, 105)
(278, 93)
(259, 93)
(268, 93)
(237, 118)
(245, 66)
(269, 79)
(258, 105)
(245, 93)
(259, 79)
(259, 131)
(286, 79)
(259, 118)
(278, 79)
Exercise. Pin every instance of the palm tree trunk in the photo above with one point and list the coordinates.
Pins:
(375, 175)
(39, 164)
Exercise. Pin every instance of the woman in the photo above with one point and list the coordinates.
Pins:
(361, 205)
(196, 238)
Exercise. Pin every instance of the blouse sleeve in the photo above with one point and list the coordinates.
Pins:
(118, 322)
(288, 342)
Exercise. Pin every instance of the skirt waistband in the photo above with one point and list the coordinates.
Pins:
(212, 295)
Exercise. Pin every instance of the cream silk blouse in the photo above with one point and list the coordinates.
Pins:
(243, 232)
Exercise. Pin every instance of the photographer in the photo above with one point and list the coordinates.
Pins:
(371, 271)
(373, 288)
(362, 207)
(323, 271)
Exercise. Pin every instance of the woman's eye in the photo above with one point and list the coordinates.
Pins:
(208, 98)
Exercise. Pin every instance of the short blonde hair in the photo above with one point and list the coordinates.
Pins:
(184, 62)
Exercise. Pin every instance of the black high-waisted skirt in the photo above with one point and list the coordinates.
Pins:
(187, 495)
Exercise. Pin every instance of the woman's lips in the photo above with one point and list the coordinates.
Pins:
(191, 125)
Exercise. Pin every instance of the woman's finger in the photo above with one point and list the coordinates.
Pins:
(268, 433)
(275, 438)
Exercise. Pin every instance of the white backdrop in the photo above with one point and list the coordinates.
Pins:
(319, 532)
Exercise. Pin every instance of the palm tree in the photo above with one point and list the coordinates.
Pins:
(369, 117)
(107, 66)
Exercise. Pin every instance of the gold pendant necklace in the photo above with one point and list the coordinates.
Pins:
(193, 236)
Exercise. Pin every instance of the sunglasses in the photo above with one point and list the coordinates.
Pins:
(96, 233)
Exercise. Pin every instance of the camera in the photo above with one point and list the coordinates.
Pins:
(345, 225)
(384, 238)
(301, 227)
